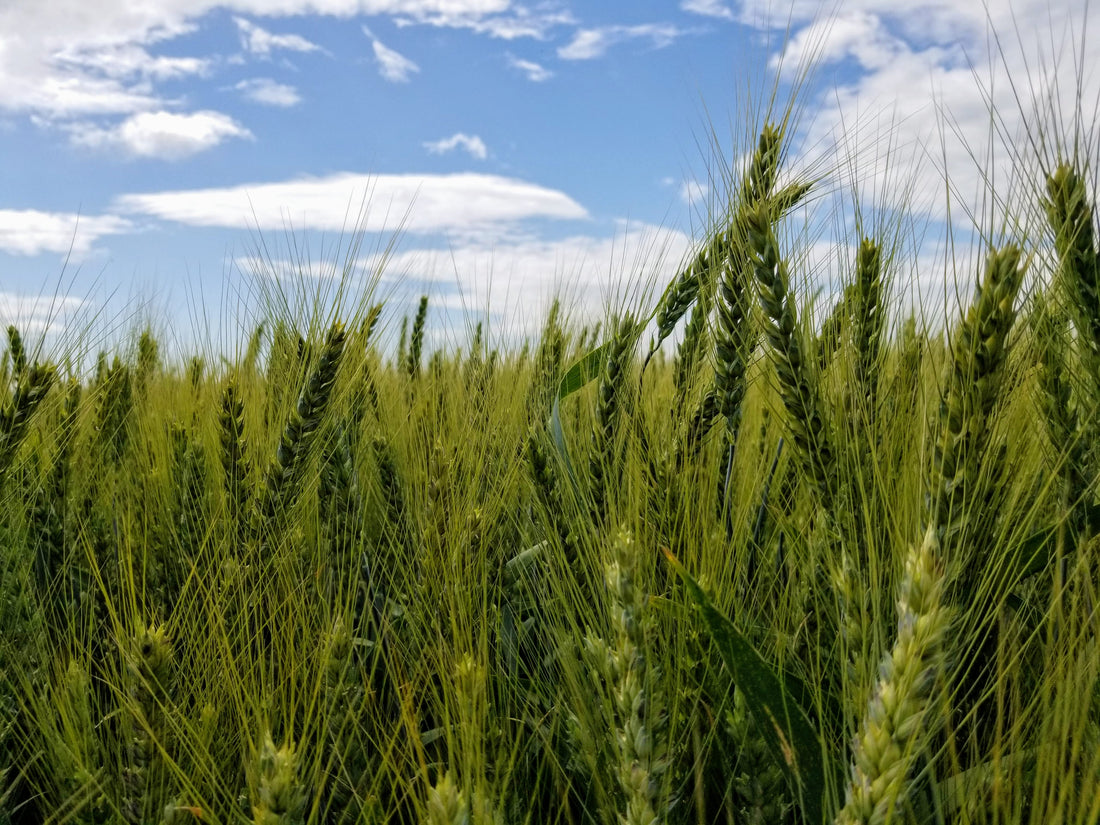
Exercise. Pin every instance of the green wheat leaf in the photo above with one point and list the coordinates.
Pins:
(786, 728)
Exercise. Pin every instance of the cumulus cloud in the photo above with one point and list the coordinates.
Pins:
(924, 85)
(859, 35)
(260, 41)
(31, 232)
(267, 92)
(472, 144)
(535, 72)
(457, 204)
(708, 8)
(164, 135)
(588, 44)
(392, 65)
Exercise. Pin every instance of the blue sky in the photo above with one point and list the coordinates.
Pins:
(157, 144)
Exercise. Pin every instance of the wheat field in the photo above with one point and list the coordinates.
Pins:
(728, 556)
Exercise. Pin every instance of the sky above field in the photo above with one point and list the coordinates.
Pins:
(162, 157)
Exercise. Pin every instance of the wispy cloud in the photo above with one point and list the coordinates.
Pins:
(62, 60)
(164, 135)
(588, 44)
(508, 23)
(517, 279)
(535, 72)
(31, 232)
(260, 41)
(460, 203)
(472, 144)
(392, 65)
(708, 8)
(35, 315)
(129, 61)
(691, 192)
(267, 92)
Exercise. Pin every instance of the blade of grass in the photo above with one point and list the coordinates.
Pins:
(782, 722)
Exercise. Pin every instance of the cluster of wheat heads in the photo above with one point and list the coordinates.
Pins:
(320, 583)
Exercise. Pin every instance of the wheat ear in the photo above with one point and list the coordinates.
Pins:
(797, 382)
(890, 736)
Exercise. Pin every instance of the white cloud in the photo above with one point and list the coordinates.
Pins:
(71, 59)
(535, 72)
(31, 232)
(465, 204)
(691, 192)
(35, 315)
(516, 279)
(592, 43)
(518, 22)
(707, 8)
(266, 91)
(260, 41)
(470, 143)
(392, 65)
(164, 135)
(930, 91)
(858, 34)
(124, 61)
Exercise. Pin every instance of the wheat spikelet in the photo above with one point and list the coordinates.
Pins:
(1070, 215)
(699, 424)
(1050, 332)
(548, 358)
(640, 715)
(34, 383)
(17, 352)
(733, 343)
(252, 351)
(280, 796)
(691, 348)
(676, 301)
(301, 427)
(340, 502)
(798, 385)
(869, 320)
(832, 331)
(50, 508)
(697, 279)
(196, 372)
(447, 804)
(890, 736)
(960, 484)
(610, 406)
(149, 662)
(236, 466)
(370, 324)
(115, 403)
(759, 792)
(1072, 430)
(148, 360)
(416, 341)
(972, 383)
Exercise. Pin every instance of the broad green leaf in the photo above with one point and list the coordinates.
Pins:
(584, 370)
(576, 377)
(785, 726)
